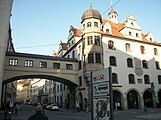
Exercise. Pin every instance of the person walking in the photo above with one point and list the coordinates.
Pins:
(39, 115)
(77, 106)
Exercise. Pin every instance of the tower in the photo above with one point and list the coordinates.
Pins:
(113, 16)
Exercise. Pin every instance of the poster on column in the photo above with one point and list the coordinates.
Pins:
(101, 109)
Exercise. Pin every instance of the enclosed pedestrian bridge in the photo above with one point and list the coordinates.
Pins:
(23, 66)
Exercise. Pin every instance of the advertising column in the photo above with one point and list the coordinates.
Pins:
(101, 95)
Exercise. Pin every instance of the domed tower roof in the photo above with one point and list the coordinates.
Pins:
(91, 13)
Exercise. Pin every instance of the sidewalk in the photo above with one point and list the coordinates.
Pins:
(148, 116)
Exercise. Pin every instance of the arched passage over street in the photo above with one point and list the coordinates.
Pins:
(133, 99)
(49, 77)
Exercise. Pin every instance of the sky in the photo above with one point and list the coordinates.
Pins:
(38, 26)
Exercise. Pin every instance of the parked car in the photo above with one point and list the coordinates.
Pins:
(55, 107)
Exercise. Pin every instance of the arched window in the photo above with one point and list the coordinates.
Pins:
(127, 47)
(111, 45)
(95, 24)
(159, 79)
(112, 61)
(131, 79)
(137, 35)
(89, 24)
(114, 78)
(155, 51)
(130, 34)
(80, 81)
(142, 49)
(146, 79)
(129, 62)
(145, 64)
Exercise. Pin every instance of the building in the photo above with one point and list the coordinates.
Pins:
(135, 58)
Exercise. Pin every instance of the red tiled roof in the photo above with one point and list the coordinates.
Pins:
(116, 28)
(77, 32)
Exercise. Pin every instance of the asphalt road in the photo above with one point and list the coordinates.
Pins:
(27, 110)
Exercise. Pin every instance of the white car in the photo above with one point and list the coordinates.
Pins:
(55, 107)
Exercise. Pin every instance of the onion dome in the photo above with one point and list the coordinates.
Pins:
(91, 13)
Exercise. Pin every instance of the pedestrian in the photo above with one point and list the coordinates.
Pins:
(77, 105)
(39, 115)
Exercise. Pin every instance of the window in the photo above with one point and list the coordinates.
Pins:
(107, 30)
(89, 40)
(157, 65)
(112, 61)
(56, 65)
(90, 58)
(145, 64)
(114, 78)
(127, 47)
(131, 79)
(13, 62)
(43, 64)
(150, 39)
(61, 87)
(111, 45)
(155, 51)
(142, 49)
(129, 62)
(137, 35)
(73, 54)
(80, 81)
(98, 57)
(146, 79)
(80, 64)
(95, 24)
(89, 24)
(130, 34)
(132, 23)
(57, 88)
(28, 63)
(159, 79)
(97, 40)
(69, 66)
(83, 26)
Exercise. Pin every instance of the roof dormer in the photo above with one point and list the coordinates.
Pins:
(150, 37)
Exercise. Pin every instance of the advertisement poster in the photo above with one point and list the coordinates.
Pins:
(101, 109)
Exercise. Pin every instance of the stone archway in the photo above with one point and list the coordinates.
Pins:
(148, 100)
(159, 98)
(117, 98)
(133, 99)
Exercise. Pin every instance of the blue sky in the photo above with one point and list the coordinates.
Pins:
(38, 26)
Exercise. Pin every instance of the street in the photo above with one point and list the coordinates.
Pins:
(26, 110)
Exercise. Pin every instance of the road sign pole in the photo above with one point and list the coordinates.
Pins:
(92, 96)
(111, 93)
